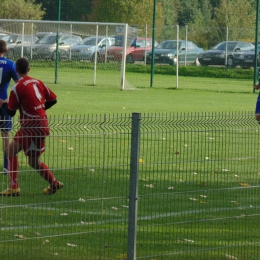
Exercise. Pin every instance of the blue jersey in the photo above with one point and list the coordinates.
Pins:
(7, 72)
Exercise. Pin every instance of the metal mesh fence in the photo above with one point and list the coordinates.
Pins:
(198, 188)
(195, 175)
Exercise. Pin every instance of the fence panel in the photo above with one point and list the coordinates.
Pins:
(87, 219)
(198, 190)
(199, 187)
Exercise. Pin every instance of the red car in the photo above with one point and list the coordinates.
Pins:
(135, 52)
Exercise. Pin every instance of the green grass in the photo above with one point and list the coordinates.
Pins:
(100, 100)
(200, 143)
(193, 95)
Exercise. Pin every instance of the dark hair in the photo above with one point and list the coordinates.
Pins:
(22, 65)
(2, 46)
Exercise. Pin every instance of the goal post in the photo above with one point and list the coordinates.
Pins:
(81, 65)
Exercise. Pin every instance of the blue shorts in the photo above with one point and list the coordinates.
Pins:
(257, 107)
(5, 121)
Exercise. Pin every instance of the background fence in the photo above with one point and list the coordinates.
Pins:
(198, 189)
(89, 72)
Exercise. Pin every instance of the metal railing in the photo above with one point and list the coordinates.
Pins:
(167, 186)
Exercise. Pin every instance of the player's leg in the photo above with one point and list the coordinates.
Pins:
(6, 127)
(44, 171)
(13, 149)
(35, 162)
(5, 138)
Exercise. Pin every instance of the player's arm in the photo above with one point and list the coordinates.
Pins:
(50, 97)
(4, 105)
(12, 104)
(49, 104)
(10, 112)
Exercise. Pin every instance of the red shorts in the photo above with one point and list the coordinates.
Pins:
(31, 143)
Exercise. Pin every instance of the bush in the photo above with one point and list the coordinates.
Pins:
(194, 71)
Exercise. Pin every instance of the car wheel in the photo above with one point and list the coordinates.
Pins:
(230, 62)
(130, 58)
(92, 59)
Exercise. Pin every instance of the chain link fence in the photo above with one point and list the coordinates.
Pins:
(87, 54)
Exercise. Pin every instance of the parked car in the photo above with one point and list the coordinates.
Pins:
(257, 43)
(40, 35)
(135, 52)
(85, 50)
(217, 55)
(247, 59)
(166, 52)
(17, 44)
(46, 47)
(2, 35)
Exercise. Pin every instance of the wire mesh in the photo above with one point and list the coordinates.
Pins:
(196, 174)
(103, 65)
(198, 190)
(92, 210)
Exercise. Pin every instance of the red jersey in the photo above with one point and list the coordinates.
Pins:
(29, 96)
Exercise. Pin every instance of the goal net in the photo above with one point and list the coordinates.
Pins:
(73, 53)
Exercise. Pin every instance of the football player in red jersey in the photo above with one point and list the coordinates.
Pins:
(32, 98)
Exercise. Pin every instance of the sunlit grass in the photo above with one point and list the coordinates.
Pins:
(198, 173)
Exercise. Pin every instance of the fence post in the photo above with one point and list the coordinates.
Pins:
(177, 55)
(133, 191)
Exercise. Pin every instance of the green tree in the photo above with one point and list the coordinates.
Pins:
(76, 10)
(188, 12)
(134, 12)
(200, 31)
(238, 16)
(171, 9)
(21, 9)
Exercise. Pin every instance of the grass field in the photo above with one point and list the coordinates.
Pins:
(198, 176)
(195, 94)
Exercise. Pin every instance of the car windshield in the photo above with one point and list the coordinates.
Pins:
(40, 36)
(90, 41)
(48, 39)
(222, 46)
(10, 38)
(167, 45)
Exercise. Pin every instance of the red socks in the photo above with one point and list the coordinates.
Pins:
(13, 172)
(44, 172)
(47, 175)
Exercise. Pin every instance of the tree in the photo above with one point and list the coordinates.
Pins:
(21, 9)
(171, 9)
(238, 16)
(134, 12)
(188, 12)
(76, 10)
(200, 31)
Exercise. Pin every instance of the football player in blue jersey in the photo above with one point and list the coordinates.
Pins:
(7, 72)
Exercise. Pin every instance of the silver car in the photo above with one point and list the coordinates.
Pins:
(45, 48)
(2, 35)
(18, 45)
(85, 50)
